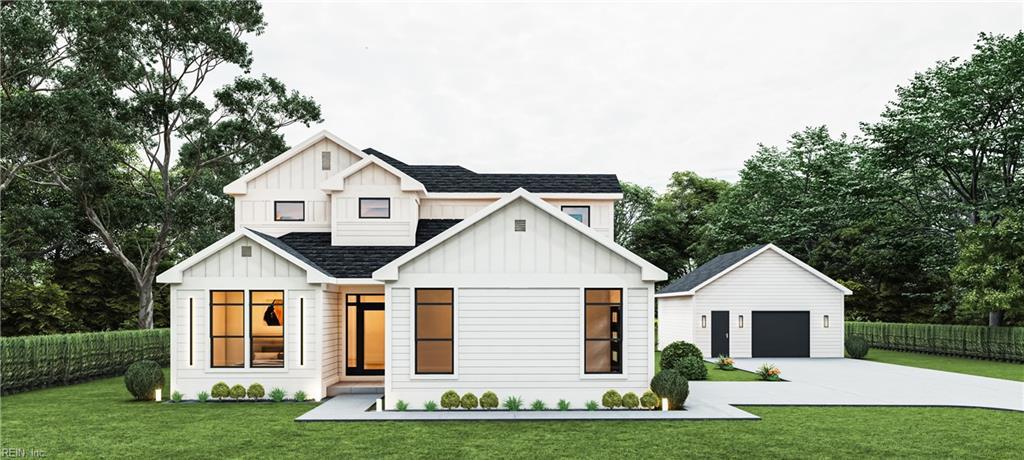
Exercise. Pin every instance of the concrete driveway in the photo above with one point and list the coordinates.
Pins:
(855, 382)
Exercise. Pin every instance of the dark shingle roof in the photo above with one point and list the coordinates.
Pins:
(448, 178)
(708, 270)
(314, 248)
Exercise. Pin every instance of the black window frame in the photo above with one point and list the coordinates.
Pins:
(587, 223)
(253, 337)
(416, 330)
(616, 326)
(210, 329)
(303, 203)
(361, 199)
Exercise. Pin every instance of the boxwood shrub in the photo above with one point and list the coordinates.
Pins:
(671, 384)
(450, 400)
(692, 368)
(237, 392)
(856, 347)
(675, 352)
(630, 400)
(649, 400)
(220, 390)
(255, 391)
(143, 378)
(489, 400)
(468, 401)
(611, 399)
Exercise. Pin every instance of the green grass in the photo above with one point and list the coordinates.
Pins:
(97, 419)
(996, 369)
(715, 374)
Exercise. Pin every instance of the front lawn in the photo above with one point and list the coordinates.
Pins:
(97, 419)
(715, 374)
(996, 369)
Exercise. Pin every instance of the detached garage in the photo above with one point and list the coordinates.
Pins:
(756, 302)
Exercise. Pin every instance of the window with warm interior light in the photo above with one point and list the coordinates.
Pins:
(266, 328)
(602, 331)
(227, 329)
(435, 331)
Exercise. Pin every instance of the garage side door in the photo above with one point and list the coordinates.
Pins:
(781, 334)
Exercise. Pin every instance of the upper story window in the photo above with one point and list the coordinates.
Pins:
(289, 211)
(580, 213)
(325, 161)
(374, 208)
(603, 331)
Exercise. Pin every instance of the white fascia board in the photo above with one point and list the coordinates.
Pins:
(337, 181)
(648, 271)
(174, 274)
(674, 294)
(239, 186)
(546, 196)
(801, 264)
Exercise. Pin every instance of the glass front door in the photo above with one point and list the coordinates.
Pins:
(364, 334)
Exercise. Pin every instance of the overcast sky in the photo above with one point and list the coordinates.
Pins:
(636, 90)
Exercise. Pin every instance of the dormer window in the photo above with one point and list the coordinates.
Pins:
(375, 208)
(580, 213)
(289, 211)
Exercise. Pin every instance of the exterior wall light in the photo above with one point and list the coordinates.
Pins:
(741, 321)
(703, 321)
(826, 321)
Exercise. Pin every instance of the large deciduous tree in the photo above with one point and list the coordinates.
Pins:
(991, 266)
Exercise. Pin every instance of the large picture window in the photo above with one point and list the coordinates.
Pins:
(434, 331)
(374, 208)
(227, 329)
(603, 331)
(289, 211)
(266, 328)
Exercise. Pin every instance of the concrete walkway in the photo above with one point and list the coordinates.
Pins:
(855, 382)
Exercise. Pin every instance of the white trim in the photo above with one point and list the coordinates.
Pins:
(412, 337)
(768, 246)
(239, 186)
(648, 272)
(545, 195)
(337, 181)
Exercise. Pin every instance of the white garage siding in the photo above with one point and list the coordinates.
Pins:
(770, 282)
(675, 320)
(228, 270)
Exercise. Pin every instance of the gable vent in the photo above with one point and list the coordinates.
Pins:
(325, 161)
(246, 251)
(520, 225)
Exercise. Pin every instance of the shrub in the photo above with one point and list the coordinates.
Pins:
(591, 405)
(563, 404)
(649, 400)
(856, 347)
(725, 363)
(630, 400)
(1002, 343)
(450, 400)
(202, 396)
(278, 394)
(255, 391)
(300, 396)
(237, 391)
(176, 396)
(513, 403)
(220, 390)
(489, 400)
(538, 405)
(39, 361)
(768, 372)
(671, 384)
(674, 353)
(143, 378)
(430, 406)
(401, 405)
(611, 399)
(692, 368)
(469, 401)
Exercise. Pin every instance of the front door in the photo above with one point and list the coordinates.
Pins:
(364, 330)
(719, 333)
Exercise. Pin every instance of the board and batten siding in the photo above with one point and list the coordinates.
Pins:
(602, 212)
(228, 270)
(675, 320)
(770, 282)
(349, 229)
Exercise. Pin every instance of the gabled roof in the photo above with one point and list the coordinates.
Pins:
(337, 181)
(238, 186)
(351, 261)
(456, 179)
(648, 272)
(716, 268)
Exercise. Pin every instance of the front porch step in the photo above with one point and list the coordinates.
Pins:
(361, 388)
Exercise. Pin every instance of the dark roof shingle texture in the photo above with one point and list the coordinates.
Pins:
(708, 270)
(314, 248)
(447, 178)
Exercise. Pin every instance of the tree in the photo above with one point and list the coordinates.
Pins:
(961, 123)
(636, 203)
(160, 139)
(991, 266)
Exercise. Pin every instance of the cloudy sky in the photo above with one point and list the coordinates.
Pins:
(638, 90)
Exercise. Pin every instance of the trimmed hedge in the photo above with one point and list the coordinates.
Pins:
(39, 361)
(997, 343)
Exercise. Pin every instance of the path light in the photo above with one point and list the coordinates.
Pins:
(664, 404)
(380, 405)
(157, 394)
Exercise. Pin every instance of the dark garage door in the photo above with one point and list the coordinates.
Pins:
(781, 334)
